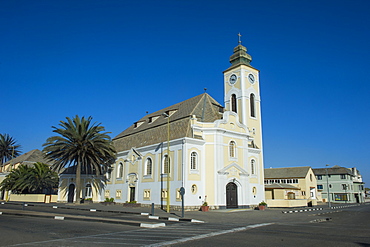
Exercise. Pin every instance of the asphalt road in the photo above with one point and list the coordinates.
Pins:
(346, 227)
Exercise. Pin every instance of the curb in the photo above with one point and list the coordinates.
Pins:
(301, 210)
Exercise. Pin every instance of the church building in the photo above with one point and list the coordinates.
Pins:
(199, 148)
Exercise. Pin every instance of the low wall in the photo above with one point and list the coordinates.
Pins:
(33, 198)
(281, 203)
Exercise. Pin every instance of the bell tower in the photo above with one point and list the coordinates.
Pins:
(242, 91)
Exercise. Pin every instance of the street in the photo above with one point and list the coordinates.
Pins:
(339, 227)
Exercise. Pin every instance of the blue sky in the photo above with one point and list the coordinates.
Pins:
(115, 60)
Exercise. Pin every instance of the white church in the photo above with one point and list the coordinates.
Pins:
(211, 152)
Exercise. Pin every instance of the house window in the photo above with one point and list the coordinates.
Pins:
(319, 177)
(193, 161)
(232, 147)
(107, 194)
(303, 193)
(120, 170)
(319, 187)
(342, 176)
(194, 189)
(178, 195)
(233, 103)
(164, 193)
(88, 191)
(253, 167)
(146, 194)
(344, 186)
(118, 194)
(291, 196)
(166, 164)
(148, 166)
(252, 104)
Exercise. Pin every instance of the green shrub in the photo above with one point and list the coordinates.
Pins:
(109, 199)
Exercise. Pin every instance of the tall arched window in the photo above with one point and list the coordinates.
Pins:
(193, 161)
(232, 147)
(253, 105)
(120, 170)
(148, 166)
(233, 103)
(166, 164)
(253, 167)
(88, 191)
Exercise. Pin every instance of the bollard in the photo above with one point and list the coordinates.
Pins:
(152, 209)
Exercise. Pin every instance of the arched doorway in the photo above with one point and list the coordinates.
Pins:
(71, 192)
(231, 195)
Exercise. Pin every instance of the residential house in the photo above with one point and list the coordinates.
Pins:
(345, 184)
(290, 187)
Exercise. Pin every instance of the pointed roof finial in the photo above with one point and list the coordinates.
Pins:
(240, 39)
(205, 89)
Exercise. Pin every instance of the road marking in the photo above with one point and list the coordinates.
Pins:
(209, 235)
(152, 225)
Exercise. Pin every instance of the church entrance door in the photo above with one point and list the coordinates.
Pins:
(231, 195)
(71, 192)
(132, 194)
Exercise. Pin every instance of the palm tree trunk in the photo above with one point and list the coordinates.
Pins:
(78, 182)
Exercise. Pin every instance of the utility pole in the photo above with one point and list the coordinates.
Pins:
(327, 185)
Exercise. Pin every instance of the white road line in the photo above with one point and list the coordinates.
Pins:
(209, 235)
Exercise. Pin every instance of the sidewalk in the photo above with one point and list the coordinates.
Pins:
(120, 214)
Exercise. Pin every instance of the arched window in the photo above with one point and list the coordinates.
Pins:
(148, 166)
(109, 174)
(232, 147)
(193, 161)
(253, 167)
(120, 170)
(166, 164)
(252, 103)
(233, 103)
(88, 191)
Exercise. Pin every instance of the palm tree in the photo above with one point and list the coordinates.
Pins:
(17, 179)
(8, 148)
(42, 178)
(26, 179)
(82, 145)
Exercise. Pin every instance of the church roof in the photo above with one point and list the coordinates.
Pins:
(152, 128)
(30, 157)
(289, 172)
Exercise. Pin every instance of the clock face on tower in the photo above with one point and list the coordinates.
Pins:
(251, 78)
(233, 79)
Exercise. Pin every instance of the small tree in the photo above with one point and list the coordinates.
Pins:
(27, 179)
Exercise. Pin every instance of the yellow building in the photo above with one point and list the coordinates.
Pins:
(290, 187)
(213, 152)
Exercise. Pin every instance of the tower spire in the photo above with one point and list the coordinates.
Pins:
(239, 38)
(240, 55)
